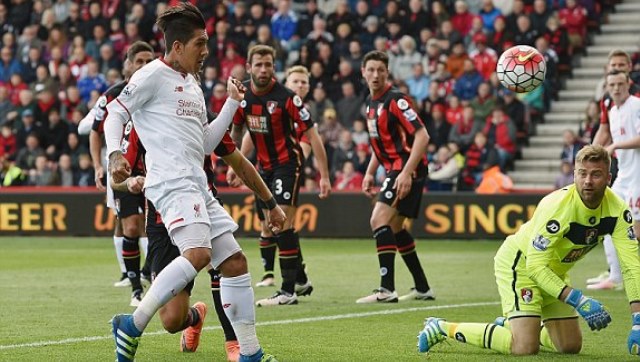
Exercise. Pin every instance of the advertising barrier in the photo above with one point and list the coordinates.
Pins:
(343, 215)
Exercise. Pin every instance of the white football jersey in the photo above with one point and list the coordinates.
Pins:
(624, 122)
(169, 115)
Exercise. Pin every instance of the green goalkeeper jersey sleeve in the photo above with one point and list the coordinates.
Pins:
(563, 230)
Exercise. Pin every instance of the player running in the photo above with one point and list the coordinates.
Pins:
(531, 270)
(399, 141)
(270, 111)
(170, 119)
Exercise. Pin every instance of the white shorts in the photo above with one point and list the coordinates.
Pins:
(222, 248)
(630, 193)
(186, 203)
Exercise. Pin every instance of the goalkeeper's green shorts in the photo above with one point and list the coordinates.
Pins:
(520, 295)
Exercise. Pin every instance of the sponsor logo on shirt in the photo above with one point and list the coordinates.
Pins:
(257, 124)
(553, 226)
(591, 236)
(128, 90)
(627, 216)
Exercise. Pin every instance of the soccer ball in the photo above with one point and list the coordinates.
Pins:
(521, 68)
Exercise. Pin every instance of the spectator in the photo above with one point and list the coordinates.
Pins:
(218, 98)
(26, 157)
(117, 37)
(489, 13)
(466, 87)
(501, 132)
(92, 48)
(96, 18)
(461, 20)
(341, 42)
(418, 83)
(515, 110)
(363, 156)
(362, 12)
(345, 151)
(392, 13)
(359, 133)
(45, 104)
(26, 126)
(443, 173)
(72, 102)
(348, 179)
(417, 18)
(78, 63)
(574, 18)
(73, 22)
(6, 107)
(231, 59)
(433, 56)
(43, 174)
(494, 182)
(16, 86)
(8, 141)
(539, 16)
(74, 149)
(484, 58)
(9, 65)
(589, 126)
(346, 74)
(319, 33)
(92, 81)
(477, 157)
(330, 129)
(319, 102)
(484, 103)
(264, 37)
(349, 105)
(19, 14)
(454, 110)
(307, 17)
(341, 15)
(499, 39)
(61, 10)
(438, 15)
(238, 18)
(84, 176)
(525, 34)
(10, 174)
(143, 20)
(370, 33)
(34, 60)
(437, 127)
(284, 24)
(455, 61)
(65, 171)
(43, 81)
(571, 146)
(56, 135)
(512, 18)
(402, 64)
(464, 130)
(477, 28)
(447, 36)
(565, 177)
(558, 40)
(6, 27)
(257, 14)
(355, 54)
(108, 60)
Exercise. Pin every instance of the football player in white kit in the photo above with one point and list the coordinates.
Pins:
(624, 134)
(170, 118)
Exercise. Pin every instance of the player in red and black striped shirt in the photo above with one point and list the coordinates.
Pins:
(399, 141)
(129, 207)
(270, 112)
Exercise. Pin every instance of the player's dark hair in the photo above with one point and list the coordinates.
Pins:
(376, 55)
(616, 72)
(594, 153)
(138, 47)
(261, 50)
(178, 23)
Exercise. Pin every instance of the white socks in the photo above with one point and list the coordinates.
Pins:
(167, 285)
(117, 242)
(615, 275)
(237, 297)
(144, 246)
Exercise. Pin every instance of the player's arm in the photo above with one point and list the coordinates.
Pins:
(95, 149)
(321, 156)
(133, 185)
(85, 125)
(631, 143)
(249, 175)
(410, 121)
(247, 146)
(368, 180)
(215, 130)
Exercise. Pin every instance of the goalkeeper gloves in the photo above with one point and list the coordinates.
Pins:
(633, 342)
(590, 309)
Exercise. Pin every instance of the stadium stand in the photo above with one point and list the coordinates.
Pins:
(56, 58)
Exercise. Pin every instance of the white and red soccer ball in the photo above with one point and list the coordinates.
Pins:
(521, 68)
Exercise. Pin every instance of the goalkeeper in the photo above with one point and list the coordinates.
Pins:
(540, 306)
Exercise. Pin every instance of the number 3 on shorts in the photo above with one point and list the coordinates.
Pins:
(278, 188)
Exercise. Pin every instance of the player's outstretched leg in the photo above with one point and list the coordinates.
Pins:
(231, 346)
(386, 246)
(407, 249)
(268, 248)
(303, 285)
(490, 336)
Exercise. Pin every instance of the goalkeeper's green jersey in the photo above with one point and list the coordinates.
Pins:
(563, 230)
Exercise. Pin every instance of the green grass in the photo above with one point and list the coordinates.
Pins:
(53, 289)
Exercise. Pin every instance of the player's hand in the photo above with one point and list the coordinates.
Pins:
(402, 185)
(325, 188)
(235, 89)
(593, 312)
(633, 342)
(98, 178)
(135, 184)
(276, 219)
(367, 186)
(232, 178)
(119, 167)
(610, 149)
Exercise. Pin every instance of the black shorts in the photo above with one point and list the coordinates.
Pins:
(410, 205)
(128, 204)
(284, 182)
(161, 250)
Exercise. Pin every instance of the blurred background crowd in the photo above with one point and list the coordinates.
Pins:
(58, 56)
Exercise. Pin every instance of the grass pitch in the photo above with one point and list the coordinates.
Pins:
(56, 298)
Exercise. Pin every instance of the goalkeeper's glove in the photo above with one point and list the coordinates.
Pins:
(590, 309)
(633, 342)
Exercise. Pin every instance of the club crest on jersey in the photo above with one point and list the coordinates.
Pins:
(627, 216)
(128, 90)
(257, 124)
(591, 236)
(297, 101)
(540, 243)
(553, 226)
(527, 295)
(271, 106)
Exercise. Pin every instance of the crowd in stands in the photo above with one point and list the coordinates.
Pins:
(58, 56)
